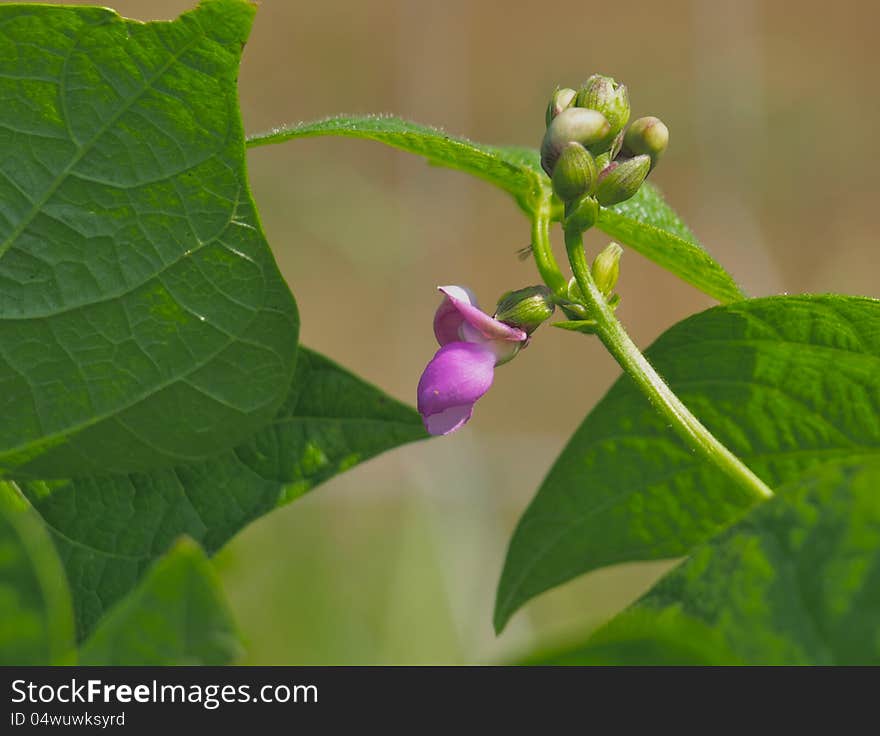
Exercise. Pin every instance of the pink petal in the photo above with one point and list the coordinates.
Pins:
(448, 319)
(457, 376)
(459, 318)
(448, 420)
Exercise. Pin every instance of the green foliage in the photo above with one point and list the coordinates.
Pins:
(109, 529)
(645, 223)
(798, 580)
(785, 382)
(176, 616)
(648, 225)
(514, 170)
(36, 620)
(156, 400)
(641, 638)
(147, 341)
(136, 286)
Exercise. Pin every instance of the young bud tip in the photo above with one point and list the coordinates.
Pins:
(606, 268)
(608, 97)
(561, 100)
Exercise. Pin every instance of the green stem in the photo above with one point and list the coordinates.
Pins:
(624, 350)
(543, 251)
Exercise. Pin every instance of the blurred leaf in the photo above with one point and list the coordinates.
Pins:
(785, 382)
(109, 529)
(143, 320)
(36, 618)
(645, 638)
(798, 580)
(648, 225)
(176, 616)
(515, 170)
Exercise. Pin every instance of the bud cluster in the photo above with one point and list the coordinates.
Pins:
(590, 156)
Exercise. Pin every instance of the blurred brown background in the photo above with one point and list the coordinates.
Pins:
(773, 110)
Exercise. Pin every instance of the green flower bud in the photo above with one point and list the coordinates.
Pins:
(608, 97)
(526, 308)
(581, 214)
(606, 268)
(648, 136)
(620, 180)
(575, 172)
(573, 124)
(561, 100)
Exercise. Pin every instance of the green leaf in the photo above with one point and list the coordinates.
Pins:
(515, 170)
(645, 638)
(109, 529)
(176, 616)
(648, 225)
(798, 580)
(36, 618)
(143, 320)
(645, 223)
(785, 382)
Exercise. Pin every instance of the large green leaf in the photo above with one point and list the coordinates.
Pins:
(798, 580)
(785, 382)
(642, 638)
(645, 223)
(176, 616)
(110, 528)
(36, 618)
(648, 225)
(515, 170)
(143, 320)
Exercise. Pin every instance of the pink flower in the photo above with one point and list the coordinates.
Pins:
(471, 344)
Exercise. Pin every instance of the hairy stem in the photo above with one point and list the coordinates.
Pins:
(543, 252)
(630, 358)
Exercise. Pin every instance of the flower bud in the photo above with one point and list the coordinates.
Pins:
(575, 172)
(648, 136)
(581, 214)
(525, 308)
(606, 268)
(561, 100)
(608, 97)
(573, 124)
(620, 180)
